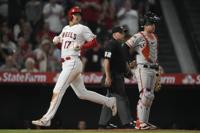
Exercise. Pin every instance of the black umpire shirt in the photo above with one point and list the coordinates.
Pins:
(114, 52)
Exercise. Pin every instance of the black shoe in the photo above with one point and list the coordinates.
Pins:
(102, 127)
(129, 126)
(111, 126)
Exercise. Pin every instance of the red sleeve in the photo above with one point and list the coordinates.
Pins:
(90, 44)
(58, 45)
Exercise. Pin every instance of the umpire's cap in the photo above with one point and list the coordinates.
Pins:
(120, 29)
(151, 18)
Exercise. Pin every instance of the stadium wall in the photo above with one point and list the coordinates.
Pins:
(175, 106)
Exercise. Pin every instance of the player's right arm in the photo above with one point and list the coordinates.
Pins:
(57, 41)
(133, 42)
(130, 46)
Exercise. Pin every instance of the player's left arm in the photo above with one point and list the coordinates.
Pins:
(90, 44)
(90, 39)
(157, 85)
(159, 72)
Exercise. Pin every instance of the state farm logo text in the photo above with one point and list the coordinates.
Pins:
(22, 77)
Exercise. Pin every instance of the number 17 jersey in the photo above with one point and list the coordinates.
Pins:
(71, 36)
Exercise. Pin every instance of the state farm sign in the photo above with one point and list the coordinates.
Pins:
(22, 77)
(94, 78)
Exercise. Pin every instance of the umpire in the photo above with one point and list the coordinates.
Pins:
(115, 69)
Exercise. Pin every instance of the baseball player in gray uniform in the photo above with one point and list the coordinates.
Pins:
(73, 37)
(145, 44)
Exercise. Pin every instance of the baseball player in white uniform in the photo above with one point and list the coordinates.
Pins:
(73, 37)
(145, 44)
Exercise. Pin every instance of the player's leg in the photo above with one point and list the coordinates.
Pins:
(145, 79)
(64, 79)
(80, 90)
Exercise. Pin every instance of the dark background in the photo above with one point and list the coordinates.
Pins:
(173, 107)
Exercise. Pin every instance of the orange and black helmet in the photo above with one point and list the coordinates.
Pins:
(151, 18)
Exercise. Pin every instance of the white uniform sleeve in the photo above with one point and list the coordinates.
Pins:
(87, 34)
(61, 36)
(57, 39)
(134, 41)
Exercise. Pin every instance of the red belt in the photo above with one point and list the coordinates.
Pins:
(64, 59)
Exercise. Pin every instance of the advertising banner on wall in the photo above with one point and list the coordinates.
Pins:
(94, 78)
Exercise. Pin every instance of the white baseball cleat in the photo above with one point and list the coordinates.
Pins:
(144, 126)
(42, 122)
(112, 104)
(152, 126)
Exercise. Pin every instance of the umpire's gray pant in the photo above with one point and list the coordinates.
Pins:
(123, 110)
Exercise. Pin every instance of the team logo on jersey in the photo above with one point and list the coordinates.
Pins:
(69, 34)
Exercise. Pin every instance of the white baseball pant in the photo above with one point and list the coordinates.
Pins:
(146, 80)
(71, 75)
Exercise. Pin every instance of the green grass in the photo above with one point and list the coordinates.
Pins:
(99, 131)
